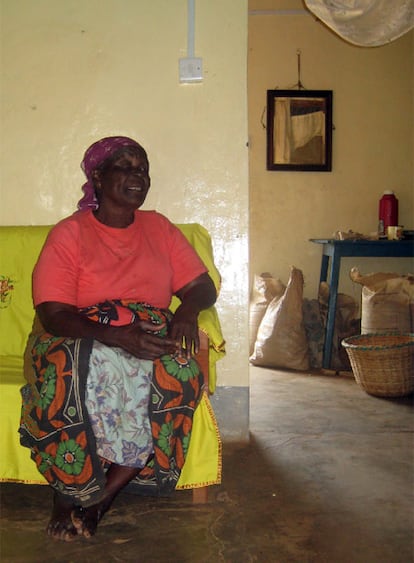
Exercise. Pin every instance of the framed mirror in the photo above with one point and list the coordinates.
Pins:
(299, 130)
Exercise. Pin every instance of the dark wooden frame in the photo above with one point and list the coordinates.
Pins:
(318, 157)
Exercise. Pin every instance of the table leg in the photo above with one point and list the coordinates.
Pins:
(324, 268)
(330, 321)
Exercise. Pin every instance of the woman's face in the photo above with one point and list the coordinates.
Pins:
(124, 180)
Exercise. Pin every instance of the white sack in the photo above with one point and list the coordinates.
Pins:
(281, 338)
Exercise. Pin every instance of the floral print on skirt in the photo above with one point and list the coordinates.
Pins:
(117, 399)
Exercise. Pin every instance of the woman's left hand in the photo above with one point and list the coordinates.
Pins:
(184, 329)
(197, 295)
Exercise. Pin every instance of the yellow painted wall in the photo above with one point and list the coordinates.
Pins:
(74, 71)
(372, 142)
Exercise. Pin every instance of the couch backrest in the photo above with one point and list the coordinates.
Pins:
(20, 247)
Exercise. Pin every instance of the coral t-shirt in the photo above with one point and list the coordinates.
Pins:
(84, 262)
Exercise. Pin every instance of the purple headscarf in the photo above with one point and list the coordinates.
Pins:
(94, 156)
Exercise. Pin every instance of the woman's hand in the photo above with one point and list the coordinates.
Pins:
(197, 295)
(138, 339)
(184, 330)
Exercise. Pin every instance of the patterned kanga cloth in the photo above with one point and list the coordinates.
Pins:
(56, 426)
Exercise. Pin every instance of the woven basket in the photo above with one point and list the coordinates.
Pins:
(383, 364)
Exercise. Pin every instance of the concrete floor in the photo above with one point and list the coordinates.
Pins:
(327, 477)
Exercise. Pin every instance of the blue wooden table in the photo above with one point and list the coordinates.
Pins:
(332, 252)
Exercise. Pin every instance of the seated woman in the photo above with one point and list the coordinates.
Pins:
(114, 382)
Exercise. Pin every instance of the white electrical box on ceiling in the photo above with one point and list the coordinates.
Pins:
(190, 69)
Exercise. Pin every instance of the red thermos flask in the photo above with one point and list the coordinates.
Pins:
(388, 211)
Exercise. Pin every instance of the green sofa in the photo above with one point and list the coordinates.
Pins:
(20, 247)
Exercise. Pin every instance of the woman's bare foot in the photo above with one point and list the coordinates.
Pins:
(86, 520)
(60, 525)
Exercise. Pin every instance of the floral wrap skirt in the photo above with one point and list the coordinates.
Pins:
(87, 405)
